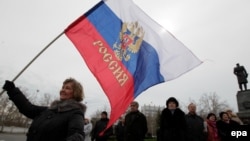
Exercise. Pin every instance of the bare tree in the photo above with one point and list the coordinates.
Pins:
(210, 103)
(10, 115)
(4, 102)
(46, 99)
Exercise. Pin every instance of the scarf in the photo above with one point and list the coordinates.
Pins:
(214, 127)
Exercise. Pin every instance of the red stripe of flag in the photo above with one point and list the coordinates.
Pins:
(114, 78)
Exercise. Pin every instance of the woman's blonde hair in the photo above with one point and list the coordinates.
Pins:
(77, 89)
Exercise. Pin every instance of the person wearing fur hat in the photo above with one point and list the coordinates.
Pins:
(63, 120)
(172, 122)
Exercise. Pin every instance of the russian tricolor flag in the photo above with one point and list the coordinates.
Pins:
(127, 51)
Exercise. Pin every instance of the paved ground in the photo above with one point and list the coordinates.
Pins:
(13, 129)
(12, 137)
(13, 134)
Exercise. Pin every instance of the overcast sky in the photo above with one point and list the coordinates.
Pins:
(216, 31)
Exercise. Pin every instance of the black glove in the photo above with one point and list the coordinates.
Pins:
(9, 85)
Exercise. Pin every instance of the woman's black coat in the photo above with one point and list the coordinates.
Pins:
(62, 121)
(172, 125)
(224, 129)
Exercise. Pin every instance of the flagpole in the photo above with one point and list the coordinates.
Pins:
(46, 47)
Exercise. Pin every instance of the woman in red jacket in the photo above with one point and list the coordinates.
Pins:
(212, 131)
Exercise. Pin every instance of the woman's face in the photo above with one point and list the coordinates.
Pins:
(225, 117)
(171, 105)
(212, 118)
(66, 92)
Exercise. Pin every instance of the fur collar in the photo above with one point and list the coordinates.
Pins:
(67, 105)
(177, 111)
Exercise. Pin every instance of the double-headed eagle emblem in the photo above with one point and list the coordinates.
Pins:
(129, 41)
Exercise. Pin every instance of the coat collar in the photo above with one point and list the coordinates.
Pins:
(67, 105)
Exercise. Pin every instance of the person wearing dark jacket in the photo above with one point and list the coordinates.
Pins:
(172, 122)
(225, 125)
(62, 121)
(196, 130)
(99, 128)
(135, 126)
(119, 130)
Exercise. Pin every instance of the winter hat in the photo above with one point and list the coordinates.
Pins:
(105, 113)
(172, 99)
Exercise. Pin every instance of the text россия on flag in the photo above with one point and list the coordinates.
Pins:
(127, 51)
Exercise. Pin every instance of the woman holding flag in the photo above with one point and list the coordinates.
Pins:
(62, 121)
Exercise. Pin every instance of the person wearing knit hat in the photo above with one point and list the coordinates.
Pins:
(172, 123)
(104, 113)
(99, 127)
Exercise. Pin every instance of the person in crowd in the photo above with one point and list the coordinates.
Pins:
(172, 122)
(119, 129)
(225, 125)
(212, 131)
(195, 125)
(233, 116)
(135, 127)
(62, 120)
(99, 127)
(87, 129)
